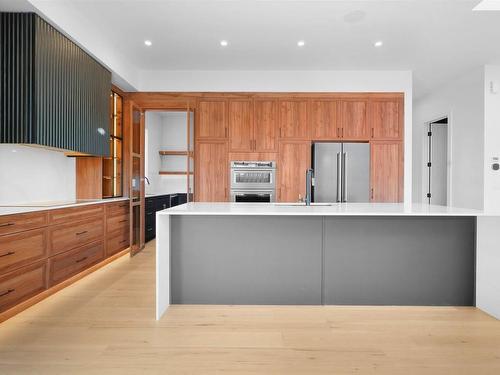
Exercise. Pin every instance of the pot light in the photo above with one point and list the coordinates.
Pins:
(148, 43)
(491, 5)
(378, 43)
(223, 43)
(301, 43)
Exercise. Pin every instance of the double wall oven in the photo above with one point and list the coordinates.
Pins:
(253, 181)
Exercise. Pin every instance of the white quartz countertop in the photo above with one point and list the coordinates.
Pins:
(335, 209)
(44, 206)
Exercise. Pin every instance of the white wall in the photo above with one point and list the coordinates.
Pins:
(491, 137)
(35, 174)
(165, 131)
(293, 81)
(463, 101)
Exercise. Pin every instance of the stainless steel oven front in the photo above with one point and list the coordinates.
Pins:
(253, 181)
(252, 196)
(253, 175)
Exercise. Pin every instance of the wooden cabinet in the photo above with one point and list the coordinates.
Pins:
(354, 124)
(19, 285)
(324, 120)
(21, 222)
(65, 215)
(386, 171)
(265, 125)
(293, 161)
(212, 169)
(386, 118)
(118, 222)
(68, 236)
(23, 248)
(212, 119)
(117, 241)
(241, 132)
(293, 119)
(70, 263)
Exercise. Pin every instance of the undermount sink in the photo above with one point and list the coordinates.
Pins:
(303, 204)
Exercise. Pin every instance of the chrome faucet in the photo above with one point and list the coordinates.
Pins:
(147, 180)
(309, 184)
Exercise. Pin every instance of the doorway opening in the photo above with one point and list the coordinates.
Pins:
(437, 162)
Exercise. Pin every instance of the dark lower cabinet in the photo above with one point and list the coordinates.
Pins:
(158, 203)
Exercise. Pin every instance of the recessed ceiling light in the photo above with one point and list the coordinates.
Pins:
(378, 43)
(148, 43)
(223, 43)
(301, 43)
(488, 5)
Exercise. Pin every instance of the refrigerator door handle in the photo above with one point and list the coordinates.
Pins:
(339, 179)
(344, 179)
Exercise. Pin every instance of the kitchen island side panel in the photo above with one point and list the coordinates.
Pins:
(246, 260)
(399, 261)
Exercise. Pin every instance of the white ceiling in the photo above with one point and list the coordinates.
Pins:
(438, 40)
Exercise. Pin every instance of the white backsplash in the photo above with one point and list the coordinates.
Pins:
(35, 174)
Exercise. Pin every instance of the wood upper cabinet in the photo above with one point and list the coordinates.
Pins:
(387, 118)
(293, 161)
(212, 168)
(265, 125)
(241, 132)
(386, 171)
(324, 119)
(354, 124)
(293, 119)
(212, 119)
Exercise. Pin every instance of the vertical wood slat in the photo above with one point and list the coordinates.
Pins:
(52, 92)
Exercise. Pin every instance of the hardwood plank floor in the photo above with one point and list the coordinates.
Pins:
(104, 324)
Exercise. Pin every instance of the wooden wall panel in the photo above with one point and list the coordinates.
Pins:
(293, 160)
(386, 171)
(212, 170)
(88, 178)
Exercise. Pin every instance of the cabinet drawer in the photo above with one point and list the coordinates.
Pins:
(64, 215)
(117, 209)
(20, 222)
(22, 284)
(20, 249)
(68, 236)
(117, 242)
(117, 223)
(70, 263)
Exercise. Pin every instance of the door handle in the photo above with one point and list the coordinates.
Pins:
(81, 259)
(344, 183)
(339, 182)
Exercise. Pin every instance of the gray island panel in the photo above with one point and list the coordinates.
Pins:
(399, 261)
(246, 260)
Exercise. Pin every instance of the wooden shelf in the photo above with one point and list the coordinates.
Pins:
(175, 153)
(175, 173)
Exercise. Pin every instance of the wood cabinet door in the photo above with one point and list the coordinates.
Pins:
(387, 119)
(354, 124)
(293, 119)
(266, 125)
(212, 119)
(212, 171)
(293, 161)
(241, 125)
(386, 171)
(323, 120)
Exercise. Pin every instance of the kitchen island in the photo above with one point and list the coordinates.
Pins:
(339, 254)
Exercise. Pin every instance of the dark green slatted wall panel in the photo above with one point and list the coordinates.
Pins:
(63, 100)
(17, 41)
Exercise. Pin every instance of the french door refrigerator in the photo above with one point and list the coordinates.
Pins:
(341, 172)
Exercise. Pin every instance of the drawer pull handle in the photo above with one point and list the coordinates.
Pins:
(123, 221)
(123, 241)
(7, 292)
(7, 254)
(150, 229)
(81, 260)
(6, 225)
(80, 233)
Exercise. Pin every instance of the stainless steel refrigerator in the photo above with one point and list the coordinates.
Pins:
(341, 172)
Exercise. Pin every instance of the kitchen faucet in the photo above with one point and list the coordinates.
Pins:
(309, 183)
(147, 180)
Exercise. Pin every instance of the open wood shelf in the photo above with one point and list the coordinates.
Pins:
(175, 173)
(176, 153)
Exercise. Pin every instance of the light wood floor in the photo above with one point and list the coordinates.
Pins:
(104, 324)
